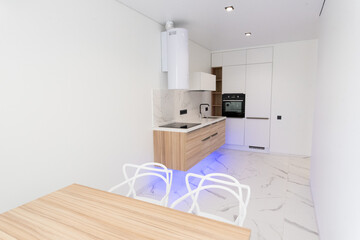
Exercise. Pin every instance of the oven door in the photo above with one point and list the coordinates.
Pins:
(233, 108)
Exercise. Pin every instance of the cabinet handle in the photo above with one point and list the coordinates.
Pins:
(214, 134)
(205, 139)
(257, 118)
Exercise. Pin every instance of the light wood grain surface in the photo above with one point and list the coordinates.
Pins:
(181, 151)
(78, 212)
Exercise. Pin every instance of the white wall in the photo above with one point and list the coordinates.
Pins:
(294, 77)
(75, 97)
(199, 58)
(335, 165)
(199, 61)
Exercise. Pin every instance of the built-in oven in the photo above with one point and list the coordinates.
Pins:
(233, 105)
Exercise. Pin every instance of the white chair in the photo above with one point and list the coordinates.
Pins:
(145, 170)
(217, 181)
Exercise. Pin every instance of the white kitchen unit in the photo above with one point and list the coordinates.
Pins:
(216, 60)
(258, 90)
(234, 58)
(233, 79)
(202, 81)
(257, 133)
(248, 71)
(235, 131)
(258, 105)
(259, 55)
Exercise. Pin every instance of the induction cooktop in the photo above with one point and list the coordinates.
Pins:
(180, 125)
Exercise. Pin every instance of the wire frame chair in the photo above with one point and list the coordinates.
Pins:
(218, 181)
(147, 169)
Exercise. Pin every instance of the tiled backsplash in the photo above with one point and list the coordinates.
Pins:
(168, 103)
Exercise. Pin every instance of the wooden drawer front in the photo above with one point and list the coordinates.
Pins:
(194, 145)
(197, 138)
(219, 125)
(202, 142)
(193, 158)
(217, 137)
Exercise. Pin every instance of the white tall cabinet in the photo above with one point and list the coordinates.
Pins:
(234, 58)
(258, 97)
(234, 81)
(216, 60)
(258, 90)
(250, 72)
(257, 133)
(234, 78)
(259, 55)
(235, 131)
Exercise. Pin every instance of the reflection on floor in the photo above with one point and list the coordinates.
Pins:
(281, 204)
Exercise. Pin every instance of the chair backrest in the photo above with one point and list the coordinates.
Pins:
(217, 181)
(147, 169)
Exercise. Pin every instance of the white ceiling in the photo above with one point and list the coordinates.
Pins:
(270, 21)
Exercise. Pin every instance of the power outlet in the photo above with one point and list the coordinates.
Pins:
(184, 111)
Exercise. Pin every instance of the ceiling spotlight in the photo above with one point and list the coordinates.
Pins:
(248, 34)
(229, 8)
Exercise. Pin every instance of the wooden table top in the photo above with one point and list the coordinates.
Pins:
(79, 212)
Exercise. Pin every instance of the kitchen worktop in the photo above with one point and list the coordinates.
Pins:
(203, 123)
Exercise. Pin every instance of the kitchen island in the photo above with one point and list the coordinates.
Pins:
(181, 149)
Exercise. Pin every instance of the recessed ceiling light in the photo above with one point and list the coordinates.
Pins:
(248, 34)
(229, 8)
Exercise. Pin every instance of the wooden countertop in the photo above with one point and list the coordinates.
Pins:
(79, 212)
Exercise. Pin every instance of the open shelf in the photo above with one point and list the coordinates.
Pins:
(216, 96)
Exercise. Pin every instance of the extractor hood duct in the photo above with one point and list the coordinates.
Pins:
(175, 56)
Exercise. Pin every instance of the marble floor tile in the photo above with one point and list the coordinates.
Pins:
(293, 231)
(265, 218)
(301, 214)
(263, 186)
(264, 231)
(300, 192)
(281, 205)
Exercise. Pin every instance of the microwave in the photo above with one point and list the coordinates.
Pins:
(233, 105)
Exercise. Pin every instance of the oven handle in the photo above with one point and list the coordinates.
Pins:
(233, 100)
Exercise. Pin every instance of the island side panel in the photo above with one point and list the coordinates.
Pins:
(169, 149)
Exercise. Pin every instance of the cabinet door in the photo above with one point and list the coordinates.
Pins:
(202, 81)
(218, 136)
(259, 55)
(235, 129)
(258, 90)
(208, 82)
(257, 132)
(234, 58)
(233, 79)
(216, 60)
